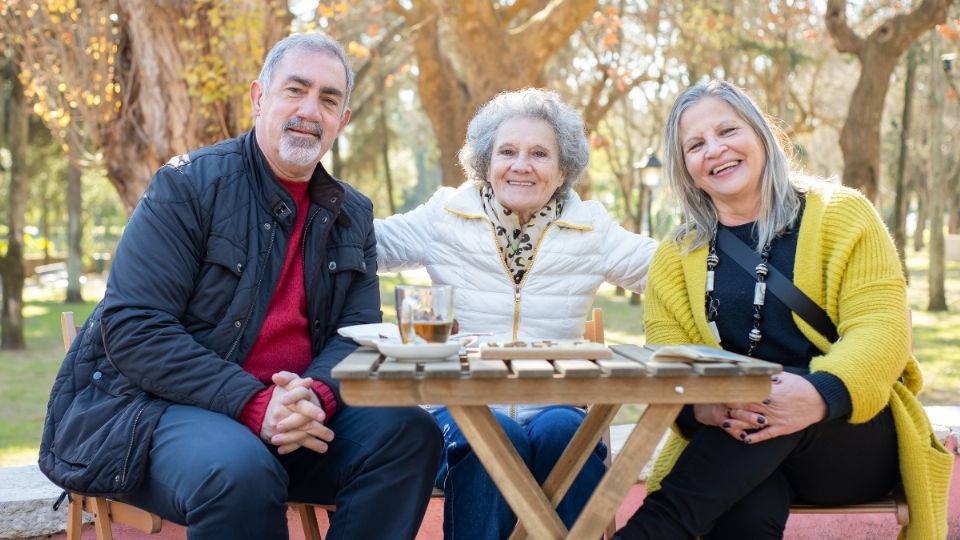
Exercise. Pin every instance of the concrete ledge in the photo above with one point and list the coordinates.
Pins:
(26, 504)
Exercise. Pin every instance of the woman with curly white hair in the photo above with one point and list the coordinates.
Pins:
(526, 256)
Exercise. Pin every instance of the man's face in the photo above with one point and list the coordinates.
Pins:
(302, 112)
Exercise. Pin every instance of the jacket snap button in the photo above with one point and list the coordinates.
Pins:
(332, 266)
(266, 226)
(240, 268)
(316, 323)
(237, 323)
(324, 219)
(333, 199)
(97, 375)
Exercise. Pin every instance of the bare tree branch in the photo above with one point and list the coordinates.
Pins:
(844, 38)
(551, 27)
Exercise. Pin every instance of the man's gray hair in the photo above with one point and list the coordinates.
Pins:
(309, 43)
(545, 105)
(779, 186)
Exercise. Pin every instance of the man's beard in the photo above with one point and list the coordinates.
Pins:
(297, 149)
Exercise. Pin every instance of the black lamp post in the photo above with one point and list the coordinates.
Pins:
(649, 179)
(948, 61)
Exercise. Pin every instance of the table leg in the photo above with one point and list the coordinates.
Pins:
(574, 456)
(498, 456)
(622, 475)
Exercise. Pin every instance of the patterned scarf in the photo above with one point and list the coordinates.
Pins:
(518, 240)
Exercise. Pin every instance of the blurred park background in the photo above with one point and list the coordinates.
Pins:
(96, 95)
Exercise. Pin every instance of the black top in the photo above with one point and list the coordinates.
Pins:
(782, 342)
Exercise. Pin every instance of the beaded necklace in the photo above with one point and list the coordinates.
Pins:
(759, 293)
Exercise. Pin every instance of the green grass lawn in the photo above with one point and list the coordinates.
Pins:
(26, 376)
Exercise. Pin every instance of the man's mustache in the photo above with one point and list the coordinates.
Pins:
(313, 128)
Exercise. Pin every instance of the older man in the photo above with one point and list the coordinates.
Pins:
(200, 387)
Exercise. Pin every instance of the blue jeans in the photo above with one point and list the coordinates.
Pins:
(474, 508)
(212, 474)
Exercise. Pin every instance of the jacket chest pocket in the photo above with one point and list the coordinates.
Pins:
(343, 265)
(345, 258)
(216, 285)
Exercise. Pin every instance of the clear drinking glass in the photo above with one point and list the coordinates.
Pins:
(424, 313)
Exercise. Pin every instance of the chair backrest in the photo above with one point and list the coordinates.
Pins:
(68, 329)
(593, 327)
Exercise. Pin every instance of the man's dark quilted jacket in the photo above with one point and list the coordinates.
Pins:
(189, 289)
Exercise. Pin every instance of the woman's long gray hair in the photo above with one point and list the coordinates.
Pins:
(567, 125)
(779, 187)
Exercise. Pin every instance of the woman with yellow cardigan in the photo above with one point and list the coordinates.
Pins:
(842, 423)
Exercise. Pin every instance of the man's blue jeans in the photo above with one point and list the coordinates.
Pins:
(210, 473)
(474, 508)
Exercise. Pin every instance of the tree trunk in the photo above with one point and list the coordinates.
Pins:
(455, 78)
(938, 299)
(336, 158)
(900, 203)
(385, 155)
(953, 223)
(446, 100)
(45, 219)
(11, 265)
(878, 54)
(922, 197)
(74, 232)
(161, 114)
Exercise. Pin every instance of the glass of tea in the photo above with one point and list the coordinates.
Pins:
(424, 313)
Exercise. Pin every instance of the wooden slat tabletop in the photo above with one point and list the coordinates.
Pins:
(626, 361)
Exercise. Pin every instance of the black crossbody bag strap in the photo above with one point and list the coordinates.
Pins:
(778, 284)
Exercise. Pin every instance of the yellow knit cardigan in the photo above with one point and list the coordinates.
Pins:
(846, 263)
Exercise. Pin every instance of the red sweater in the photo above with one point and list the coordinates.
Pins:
(284, 340)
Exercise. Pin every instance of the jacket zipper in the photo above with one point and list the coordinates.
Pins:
(126, 459)
(256, 291)
(303, 253)
(516, 296)
(516, 289)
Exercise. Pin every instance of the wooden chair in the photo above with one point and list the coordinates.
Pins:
(106, 512)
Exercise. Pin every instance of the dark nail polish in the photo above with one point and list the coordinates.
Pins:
(775, 378)
(726, 425)
(761, 420)
(767, 402)
(743, 436)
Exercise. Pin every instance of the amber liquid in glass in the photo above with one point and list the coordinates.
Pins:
(429, 331)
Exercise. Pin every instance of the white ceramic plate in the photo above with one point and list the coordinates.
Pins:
(418, 352)
(371, 334)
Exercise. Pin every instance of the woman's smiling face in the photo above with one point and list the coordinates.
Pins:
(525, 165)
(724, 156)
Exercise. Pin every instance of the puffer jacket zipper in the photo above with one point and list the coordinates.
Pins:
(303, 254)
(121, 479)
(518, 286)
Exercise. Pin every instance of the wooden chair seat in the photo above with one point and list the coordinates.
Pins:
(896, 504)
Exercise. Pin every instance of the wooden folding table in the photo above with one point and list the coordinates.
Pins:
(466, 386)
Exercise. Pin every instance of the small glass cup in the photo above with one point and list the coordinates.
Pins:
(424, 313)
